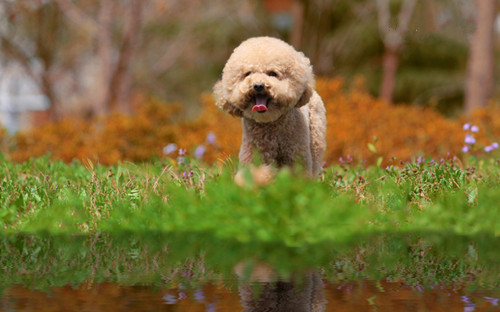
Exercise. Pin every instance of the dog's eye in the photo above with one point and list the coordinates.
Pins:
(247, 74)
(272, 74)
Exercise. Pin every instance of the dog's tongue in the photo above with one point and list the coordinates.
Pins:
(260, 104)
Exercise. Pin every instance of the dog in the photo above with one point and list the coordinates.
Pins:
(270, 86)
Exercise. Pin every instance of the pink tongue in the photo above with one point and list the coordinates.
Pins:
(260, 105)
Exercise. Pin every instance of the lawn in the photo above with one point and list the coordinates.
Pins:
(424, 222)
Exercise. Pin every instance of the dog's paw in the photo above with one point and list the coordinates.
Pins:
(261, 175)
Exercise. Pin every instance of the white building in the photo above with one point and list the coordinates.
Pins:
(18, 94)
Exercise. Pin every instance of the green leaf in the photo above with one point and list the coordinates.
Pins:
(472, 196)
(372, 148)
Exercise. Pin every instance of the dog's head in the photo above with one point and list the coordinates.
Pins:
(264, 78)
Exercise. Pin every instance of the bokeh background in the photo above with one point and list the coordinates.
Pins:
(111, 80)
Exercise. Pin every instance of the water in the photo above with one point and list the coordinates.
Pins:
(313, 294)
(197, 272)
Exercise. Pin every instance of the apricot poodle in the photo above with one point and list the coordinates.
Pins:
(270, 86)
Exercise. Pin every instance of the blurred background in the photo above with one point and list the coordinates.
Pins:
(81, 59)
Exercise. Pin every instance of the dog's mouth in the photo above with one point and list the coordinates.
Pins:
(261, 101)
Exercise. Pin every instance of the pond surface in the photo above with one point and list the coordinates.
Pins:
(312, 294)
(197, 272)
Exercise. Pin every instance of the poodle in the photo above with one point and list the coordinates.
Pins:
(270, 86)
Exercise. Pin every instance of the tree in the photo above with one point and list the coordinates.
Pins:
(115, 59)
(393, 40)
(480, 79)
(89, 56)
(33, 36)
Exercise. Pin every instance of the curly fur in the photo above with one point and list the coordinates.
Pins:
(294, 125)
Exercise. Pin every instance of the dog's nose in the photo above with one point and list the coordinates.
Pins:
(258, 87)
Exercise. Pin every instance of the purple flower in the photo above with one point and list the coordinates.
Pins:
(182, 152)
(491, 147)
(466, 148)
(180, 160)
(347, 160)
(470, 307)
(199, 296)
(474, 129)
(200, 151)
(169, 299)
(469, 139)
(211, 307)
(170, 148)
(211, 138)
(493, 301)
(466, 126)
(466, 299)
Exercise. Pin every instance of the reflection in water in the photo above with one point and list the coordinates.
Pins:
(264, 291)
(178, 274)
(281, 296)
(311, 294)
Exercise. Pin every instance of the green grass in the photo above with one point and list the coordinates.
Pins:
(428, 222)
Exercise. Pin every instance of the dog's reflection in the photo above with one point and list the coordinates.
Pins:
(261, 289)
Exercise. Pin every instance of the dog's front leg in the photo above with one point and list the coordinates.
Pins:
(246, 152)
(246, 149)
(245, 158)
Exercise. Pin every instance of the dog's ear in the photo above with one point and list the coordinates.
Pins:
(222, 103)
(305, 97)
(307, 72)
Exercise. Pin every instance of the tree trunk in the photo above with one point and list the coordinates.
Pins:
(298, 24)
(389, 69)
(121, 80)
(393, 40)
(105, 56)
(480, 80)
(48, 90)
(115, 73)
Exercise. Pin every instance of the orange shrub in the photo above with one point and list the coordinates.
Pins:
(64, 140)
(355, 120)
(488, 121)
(3, 139)
(137, 137)
(227, 131)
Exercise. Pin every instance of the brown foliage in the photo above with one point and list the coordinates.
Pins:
(355, 120)
(137, 137)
